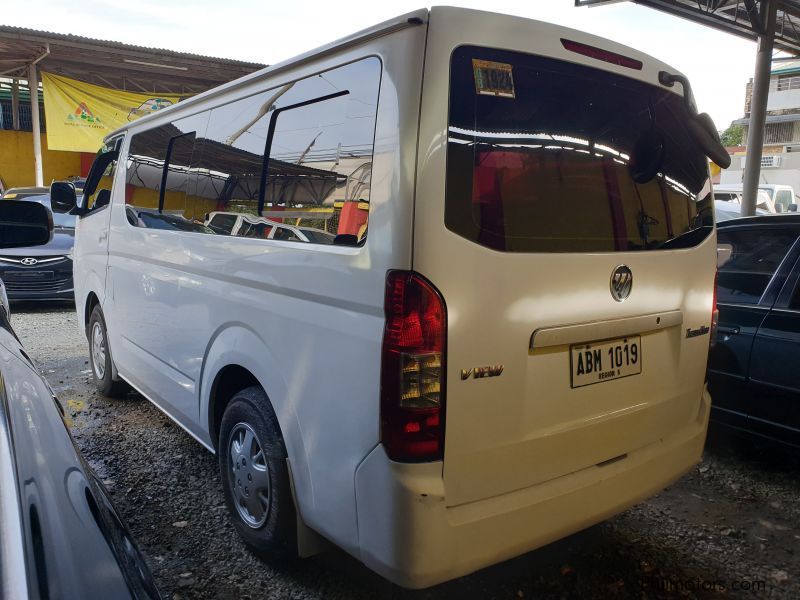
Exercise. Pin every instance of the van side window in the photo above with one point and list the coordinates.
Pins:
(314, 187)
(228, 162)
(747, 261)
(165, 157)
(320, 160)
(100, 196)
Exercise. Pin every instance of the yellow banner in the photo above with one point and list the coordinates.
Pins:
(79, 115)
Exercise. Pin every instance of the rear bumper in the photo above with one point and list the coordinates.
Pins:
(409, 535)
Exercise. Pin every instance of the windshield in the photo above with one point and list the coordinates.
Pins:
(550, 156)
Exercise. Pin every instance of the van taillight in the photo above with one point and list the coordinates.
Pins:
(714, 314)
(413, 369)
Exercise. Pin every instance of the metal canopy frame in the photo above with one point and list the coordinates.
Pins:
(745, 18)
(25, 52)
(113, 64)
(773, 24)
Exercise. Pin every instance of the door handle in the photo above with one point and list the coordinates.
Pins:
(103, 237)
(728, 330)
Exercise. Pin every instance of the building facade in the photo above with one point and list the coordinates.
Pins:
(780, 162)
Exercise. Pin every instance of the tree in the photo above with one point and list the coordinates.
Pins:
(732, 136)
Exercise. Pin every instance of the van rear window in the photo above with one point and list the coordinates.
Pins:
(552, 156)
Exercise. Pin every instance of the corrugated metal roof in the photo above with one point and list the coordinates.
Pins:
(115, 64)
(69, 37)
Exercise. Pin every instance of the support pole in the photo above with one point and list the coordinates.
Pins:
(15, 104)
(33, 86)
(758, 110)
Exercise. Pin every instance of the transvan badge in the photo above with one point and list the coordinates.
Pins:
(481, 372)
(621, 283)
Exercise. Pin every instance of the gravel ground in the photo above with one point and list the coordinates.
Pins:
(732, 523)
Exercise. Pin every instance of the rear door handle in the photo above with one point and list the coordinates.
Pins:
(728, 330)
(103, 236)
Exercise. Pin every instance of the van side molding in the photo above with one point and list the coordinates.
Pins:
(599, 330)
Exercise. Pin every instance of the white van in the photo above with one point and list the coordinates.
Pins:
(513, 348)
(772, 197)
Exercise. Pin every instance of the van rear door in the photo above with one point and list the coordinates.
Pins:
(567, 221)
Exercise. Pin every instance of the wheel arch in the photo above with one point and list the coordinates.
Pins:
(238, 358)
(91, 301)
(230, 380)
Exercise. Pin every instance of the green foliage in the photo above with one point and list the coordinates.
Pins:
(732, 136)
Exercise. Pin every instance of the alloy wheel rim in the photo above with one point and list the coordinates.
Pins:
(98, 351)
(249, 476)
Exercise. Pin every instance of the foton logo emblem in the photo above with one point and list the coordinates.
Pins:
(621, 283)
(481, 372)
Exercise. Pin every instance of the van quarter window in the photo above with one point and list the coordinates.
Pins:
(316, 188)
(550, 164)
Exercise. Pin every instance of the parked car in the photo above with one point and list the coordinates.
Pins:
(155, 220)
(484, 370)
(763, 201)
(229, 223)
(60, 536)
(19, 193)
(43, 272)
(752, 374)
(725, 210)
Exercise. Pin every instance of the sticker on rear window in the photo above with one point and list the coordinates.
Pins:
(493, 78)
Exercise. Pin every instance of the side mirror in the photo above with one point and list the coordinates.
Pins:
(62, 196)
(24, 224)
(793, 207)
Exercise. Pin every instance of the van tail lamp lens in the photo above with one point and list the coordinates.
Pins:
(600, 54)
(413, 369)
(714, 314)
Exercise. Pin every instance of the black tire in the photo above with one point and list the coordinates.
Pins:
(102, 373)
(276, 537)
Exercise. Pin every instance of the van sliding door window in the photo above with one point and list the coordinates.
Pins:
(545, 155)
(162, 176)
(317, 186)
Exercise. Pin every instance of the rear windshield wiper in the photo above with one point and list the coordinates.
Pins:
(701, 127)
(687, 239)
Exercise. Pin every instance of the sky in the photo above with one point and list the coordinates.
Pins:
(717, 64)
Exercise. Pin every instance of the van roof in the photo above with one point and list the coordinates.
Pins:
(417, 17)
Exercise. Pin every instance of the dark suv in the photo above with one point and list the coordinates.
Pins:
(41, 272)
(753, 375)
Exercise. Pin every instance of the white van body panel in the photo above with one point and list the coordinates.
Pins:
(183, 306)
(527, 426)
(307, 322)
(90, 259)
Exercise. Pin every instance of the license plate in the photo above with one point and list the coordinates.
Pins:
(604, 361)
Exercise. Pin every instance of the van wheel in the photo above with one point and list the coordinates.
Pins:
(100, 357)
(255, 476)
